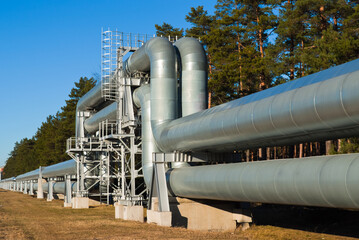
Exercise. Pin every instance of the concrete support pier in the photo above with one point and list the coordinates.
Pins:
(80, 202)
(68, 192)
(133, 213)
(157, 217)
(201, 215)
(50, 191)
(40, 192)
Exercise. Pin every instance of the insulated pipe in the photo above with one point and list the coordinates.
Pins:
(58, 187)
(141, 98)
(317, 107)
(110, 112)
(29, 175)
(60, 169)
(158, 56)
(90, 100)
(326, 181)
(193, 79)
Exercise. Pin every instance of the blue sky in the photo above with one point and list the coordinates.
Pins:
(47, 45)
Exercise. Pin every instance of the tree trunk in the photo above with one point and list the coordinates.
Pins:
(247, 155)
(328, 145)
(209, 99)
(262, 84)
(339, 145)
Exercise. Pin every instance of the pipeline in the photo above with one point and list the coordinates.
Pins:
(317, 107)
(325, 181)
(58, 187)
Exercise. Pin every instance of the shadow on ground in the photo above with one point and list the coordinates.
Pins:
(320, 220)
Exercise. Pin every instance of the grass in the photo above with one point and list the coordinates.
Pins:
(25, 217)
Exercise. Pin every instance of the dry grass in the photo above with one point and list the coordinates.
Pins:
(25, 217)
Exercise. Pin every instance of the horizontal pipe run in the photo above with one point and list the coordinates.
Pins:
(326, 181)
(29, 175)
(58, 187)
(299, 111)
(110, 112)
(91, 99)
(60, 169)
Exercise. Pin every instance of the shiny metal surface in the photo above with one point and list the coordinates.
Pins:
(326, 181)
(312, 108)
(32, 175)
(158, 56)
(110, 112)
(193, 80)
(60, 169)
(58, 187)
(91, 99)
(141, 97)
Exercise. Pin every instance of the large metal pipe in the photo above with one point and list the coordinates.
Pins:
(91, 99)
(193, 80)
(58, 187)
(28, 176)
(158, 56)
(326, 181)
(60, 169)
(317, 107)
(110, 112)
(142, 99)
(87, 102)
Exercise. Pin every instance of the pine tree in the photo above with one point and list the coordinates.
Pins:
(167, 30)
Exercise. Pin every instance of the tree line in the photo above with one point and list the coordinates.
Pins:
(48, 145)
(253, 45)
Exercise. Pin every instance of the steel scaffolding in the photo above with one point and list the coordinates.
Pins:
(111, 160)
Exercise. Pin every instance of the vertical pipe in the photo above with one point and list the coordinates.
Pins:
(193, 81)
(123, 175)
(142, 99)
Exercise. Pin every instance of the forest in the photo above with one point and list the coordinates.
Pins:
(251, 46)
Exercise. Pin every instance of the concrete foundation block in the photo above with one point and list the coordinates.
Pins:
(118, 211)
(208, 215)
(133, 213)
(67, 204)
(159, 218)
(80, 202)
(94, 203)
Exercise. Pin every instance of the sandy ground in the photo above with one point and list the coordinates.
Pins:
(25, 217)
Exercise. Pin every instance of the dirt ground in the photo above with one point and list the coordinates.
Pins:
(25, 217)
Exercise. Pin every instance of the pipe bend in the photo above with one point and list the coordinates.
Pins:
(193, 80)
(158, 56)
